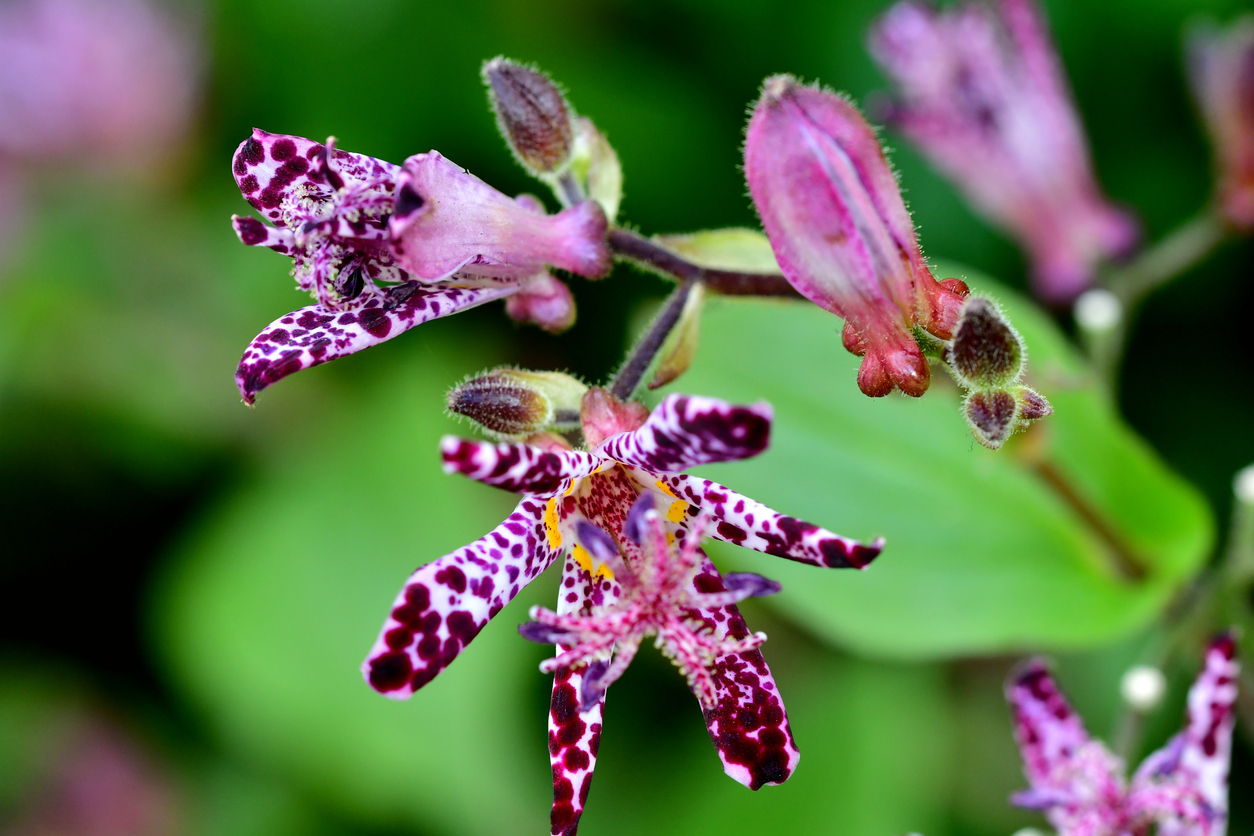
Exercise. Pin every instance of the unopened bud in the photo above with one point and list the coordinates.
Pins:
(603, 415)
(991, 416)
(1243, 485)
(514, 403)
(986, 352)
(532, 114)
(1032, 405)
(1143, 687)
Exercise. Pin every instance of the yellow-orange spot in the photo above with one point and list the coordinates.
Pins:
(666, 489)
(670, 538)
(677, 512)
(585, 562)
(571, 489)
(550, 524)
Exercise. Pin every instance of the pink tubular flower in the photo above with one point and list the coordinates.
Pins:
(1222, 73)
(334, 214)
(842, 236)
(983, 95)
(627, 571)
(1182, 789)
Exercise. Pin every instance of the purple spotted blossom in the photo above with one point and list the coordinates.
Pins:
(1221, 62)
(982, 94)
(840, 231)
(1181, 789)
(620, 561)
(382, 248)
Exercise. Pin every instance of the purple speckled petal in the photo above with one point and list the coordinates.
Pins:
(1048, 730)
(1184, 785)
(256, 234)
(314, 335)
(274, 171)
(445, 603)
(749, 523)
(521, 468)
(685, 431)
(574, 735)
(749, 726)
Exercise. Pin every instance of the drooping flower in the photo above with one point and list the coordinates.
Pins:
(982, 94)
(577, 507)
(1079, 785)
(840, 231)
(1221, 64)
(383, 248)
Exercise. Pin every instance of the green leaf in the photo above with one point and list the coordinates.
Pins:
(985, 551)
(745, 250)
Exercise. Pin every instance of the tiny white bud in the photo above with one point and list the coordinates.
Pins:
(1243, 485)
(1029, 831)
(1143, 687)
(1098, 310)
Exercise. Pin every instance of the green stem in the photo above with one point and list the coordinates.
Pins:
(1167, 259)
(632, 372)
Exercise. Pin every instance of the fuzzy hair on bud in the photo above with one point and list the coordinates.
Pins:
(532, 114)
(511, 403)
(986, 352)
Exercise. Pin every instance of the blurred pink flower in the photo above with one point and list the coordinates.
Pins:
(840, 231)
(100, 80)
(1181, 789)
(1221, 63)
(982, 94)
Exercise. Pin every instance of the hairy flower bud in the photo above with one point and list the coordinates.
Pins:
(513, 403)
(996, 414)
(1221, 64)
(986, 351)
(982, 94)
(840, 231)
(532, 114)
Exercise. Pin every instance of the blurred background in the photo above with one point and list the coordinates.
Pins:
(190, 584)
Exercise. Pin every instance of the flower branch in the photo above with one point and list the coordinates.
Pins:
(649, 255)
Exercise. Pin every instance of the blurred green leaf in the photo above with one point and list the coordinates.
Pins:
(984, 553)
(747, 250)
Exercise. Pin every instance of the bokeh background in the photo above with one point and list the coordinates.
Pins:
(189, 584)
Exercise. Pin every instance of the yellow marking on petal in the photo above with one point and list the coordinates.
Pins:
(571, 489)
(550, 524)
(670, 538)
(677, 512)
(666, 489)
(585, 562)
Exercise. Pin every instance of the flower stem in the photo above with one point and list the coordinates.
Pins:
(1168, 258)
(632, 372)
(649, 255)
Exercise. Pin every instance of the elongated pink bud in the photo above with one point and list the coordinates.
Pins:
(840, 231)
(448, 221)
(1221, 64)
(981, 92)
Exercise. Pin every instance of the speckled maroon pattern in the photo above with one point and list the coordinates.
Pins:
(314, 335)
(747, 522)
(1179, 790)
(685, 431)
(520, 468)
(445, 603)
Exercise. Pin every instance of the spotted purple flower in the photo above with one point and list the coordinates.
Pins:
(348, 222)
(1182, 789)
(982, 94)
(577, 507)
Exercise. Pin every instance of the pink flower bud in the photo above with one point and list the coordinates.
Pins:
(1222, 72)
(448, 221)
(840, 231)
(982, 94)
(544, 301)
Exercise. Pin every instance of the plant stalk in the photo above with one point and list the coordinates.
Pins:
(632, 372)
(649, 255)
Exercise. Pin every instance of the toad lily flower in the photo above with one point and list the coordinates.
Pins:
(383, 248)
(842, 236)
(620, 578)
(1181, 789)
(1222, 73)
(982, 94)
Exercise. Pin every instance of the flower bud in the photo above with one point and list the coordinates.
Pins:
(545, 301)
(986, 351)
(1221, 64)
(982, 94)
(596, 165)
(1142, 688)
(447, 221)
(991, 416)
(840, 231)
(532, 114)
(514, 403)
(603, 415)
